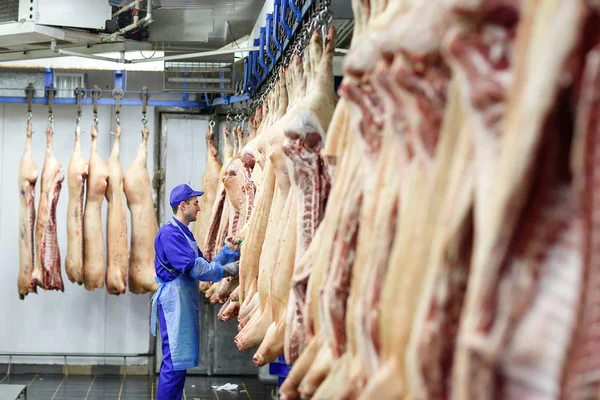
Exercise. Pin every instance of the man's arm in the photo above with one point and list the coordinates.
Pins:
(224, 264)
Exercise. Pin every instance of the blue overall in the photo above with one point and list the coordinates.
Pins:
(176, 302)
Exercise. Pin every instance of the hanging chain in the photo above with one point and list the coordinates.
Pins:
(144, 96)
(79, 92)
(95, 95)
(51, 92)
(30, 92)
(118, 94)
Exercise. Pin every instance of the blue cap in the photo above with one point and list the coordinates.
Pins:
(182, 193)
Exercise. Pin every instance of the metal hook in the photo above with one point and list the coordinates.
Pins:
(96, 120)
(212, 123)
(78, 119)
(144, 120)
(29, 118)
(118, 119)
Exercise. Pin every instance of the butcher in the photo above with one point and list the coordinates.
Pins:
(179, 266)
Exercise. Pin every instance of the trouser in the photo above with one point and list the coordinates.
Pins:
(170, 383)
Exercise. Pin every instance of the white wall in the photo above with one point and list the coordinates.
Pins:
(76, 320)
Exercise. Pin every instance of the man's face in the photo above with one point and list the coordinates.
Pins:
(191, 209)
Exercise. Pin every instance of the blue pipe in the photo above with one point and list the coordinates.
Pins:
(268, 33)
(295, 10)
(276, 26)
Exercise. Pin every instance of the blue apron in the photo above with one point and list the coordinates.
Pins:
(179, 299)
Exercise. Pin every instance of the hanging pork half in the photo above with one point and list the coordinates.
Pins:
(210, 183)
(47, 271)
(144, 225)
(483, 90)
(116, 222)
(94, 260)
(77, 173)
(524, 289)
(28, 175)
(306, 134)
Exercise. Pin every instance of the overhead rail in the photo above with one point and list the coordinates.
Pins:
(287, 30)
(112, 97)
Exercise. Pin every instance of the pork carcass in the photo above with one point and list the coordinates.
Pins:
(144, 226)
(28, 175)
(219, 218)
(210, 182)
(116, 222)
(526, 268)
(253, 156)
(580, 372)
(483, 89)
(76, 176)
(47, 271)
(93, 244)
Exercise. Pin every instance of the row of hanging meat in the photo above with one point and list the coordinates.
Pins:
(89, 183)
(432, 234)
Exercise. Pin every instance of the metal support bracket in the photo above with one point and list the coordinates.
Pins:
(225, 98)
(286, 27)
(261, 55)
(275, 27)
(295, 10)
(268, 33)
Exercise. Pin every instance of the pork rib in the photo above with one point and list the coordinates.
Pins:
(76, 176)
(144, 226)
(47, 271)
(28, 175)
(93, 244)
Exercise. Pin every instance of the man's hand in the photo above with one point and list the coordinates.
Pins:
(231, 269)
(232, 246)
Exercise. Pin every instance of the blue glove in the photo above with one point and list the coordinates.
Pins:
(226, 256)
(205, 271)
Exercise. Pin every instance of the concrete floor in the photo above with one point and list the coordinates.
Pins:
(103, 387)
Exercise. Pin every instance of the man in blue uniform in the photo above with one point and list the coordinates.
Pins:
(179, 266)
